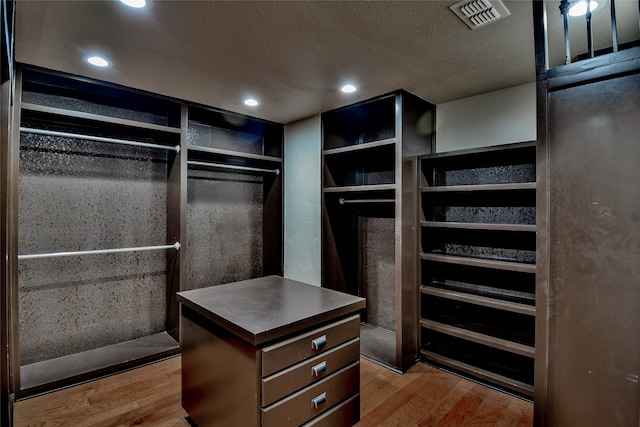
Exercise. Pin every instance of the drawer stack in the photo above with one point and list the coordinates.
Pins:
(313, 379)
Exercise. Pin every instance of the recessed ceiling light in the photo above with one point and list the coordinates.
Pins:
(579, 8)
(138, 4)
(251, 102)
(348, 88)
(98, 61)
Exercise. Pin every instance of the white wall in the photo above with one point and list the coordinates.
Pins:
(302, 205)
(502, 117)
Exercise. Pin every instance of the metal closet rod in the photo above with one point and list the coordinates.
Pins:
(175, 246)
(224, 166)
(98, 138)
(344, 201)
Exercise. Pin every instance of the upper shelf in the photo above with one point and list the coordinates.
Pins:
(61, 112)
(360, 147)
(356, 188)
(230, 153)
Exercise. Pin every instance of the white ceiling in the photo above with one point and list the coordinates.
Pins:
(291, 55)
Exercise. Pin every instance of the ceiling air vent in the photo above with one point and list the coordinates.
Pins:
(478, 13)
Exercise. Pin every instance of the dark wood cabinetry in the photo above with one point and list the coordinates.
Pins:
(120, 199)
(478, 254)
(369, 187)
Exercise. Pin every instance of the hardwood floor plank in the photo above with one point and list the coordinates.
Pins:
(150, 397)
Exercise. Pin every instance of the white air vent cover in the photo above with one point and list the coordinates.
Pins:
(478, 13)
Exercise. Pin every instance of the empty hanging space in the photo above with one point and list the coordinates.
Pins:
(478, 255)
(92, 230)
(234, 198)
(369, 150)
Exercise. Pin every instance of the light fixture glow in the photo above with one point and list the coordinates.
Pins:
(579, 8)
(251, 102)
(138, 4)
(98, 61)
(348, 88)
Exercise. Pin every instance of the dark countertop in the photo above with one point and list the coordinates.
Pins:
(263, 309)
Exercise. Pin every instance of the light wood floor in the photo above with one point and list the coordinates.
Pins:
(150, 396)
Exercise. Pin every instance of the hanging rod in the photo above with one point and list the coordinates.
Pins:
(175, 246)
(224, 166)
(98, 138)
(344, 201)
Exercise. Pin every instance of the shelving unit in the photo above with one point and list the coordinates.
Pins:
(108, 221)
(478, 252)
(369, 169)
(234, 204)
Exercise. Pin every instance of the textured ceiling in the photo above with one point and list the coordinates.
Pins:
(292, 56)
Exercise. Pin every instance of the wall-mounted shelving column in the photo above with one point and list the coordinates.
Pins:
(369, 212)
(478, 253)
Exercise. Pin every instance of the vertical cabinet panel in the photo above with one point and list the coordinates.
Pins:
(593, 239)
(478, 254)
(368, 216)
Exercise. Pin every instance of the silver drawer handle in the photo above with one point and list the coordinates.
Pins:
(319, 368)
(317, 401)
(319, 342)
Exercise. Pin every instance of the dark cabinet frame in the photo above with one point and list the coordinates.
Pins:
(96, 109)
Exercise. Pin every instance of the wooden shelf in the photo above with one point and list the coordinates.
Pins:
(482, 374)
(482, 187)
(481, 150)
(479, 226)
(351, 188)
(499, 343)
(97, 362)
(360, 147)
(480, 300)
(98, 118)
(479, 262)
(237, 154)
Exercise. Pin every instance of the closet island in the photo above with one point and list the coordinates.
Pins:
(270, 352)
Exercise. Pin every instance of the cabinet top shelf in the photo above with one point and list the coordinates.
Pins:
(234, 306)
(360, 147)
(97, 118)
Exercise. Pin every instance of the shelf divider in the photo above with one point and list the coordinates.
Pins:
(483, 374)
(479, 226)
(479, 262)
(499, 343)
(499, 304)
(480, 187)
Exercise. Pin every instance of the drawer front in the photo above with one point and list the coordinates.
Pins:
(289, 352)
(298, 376)
(345, 414)
(313, 400)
